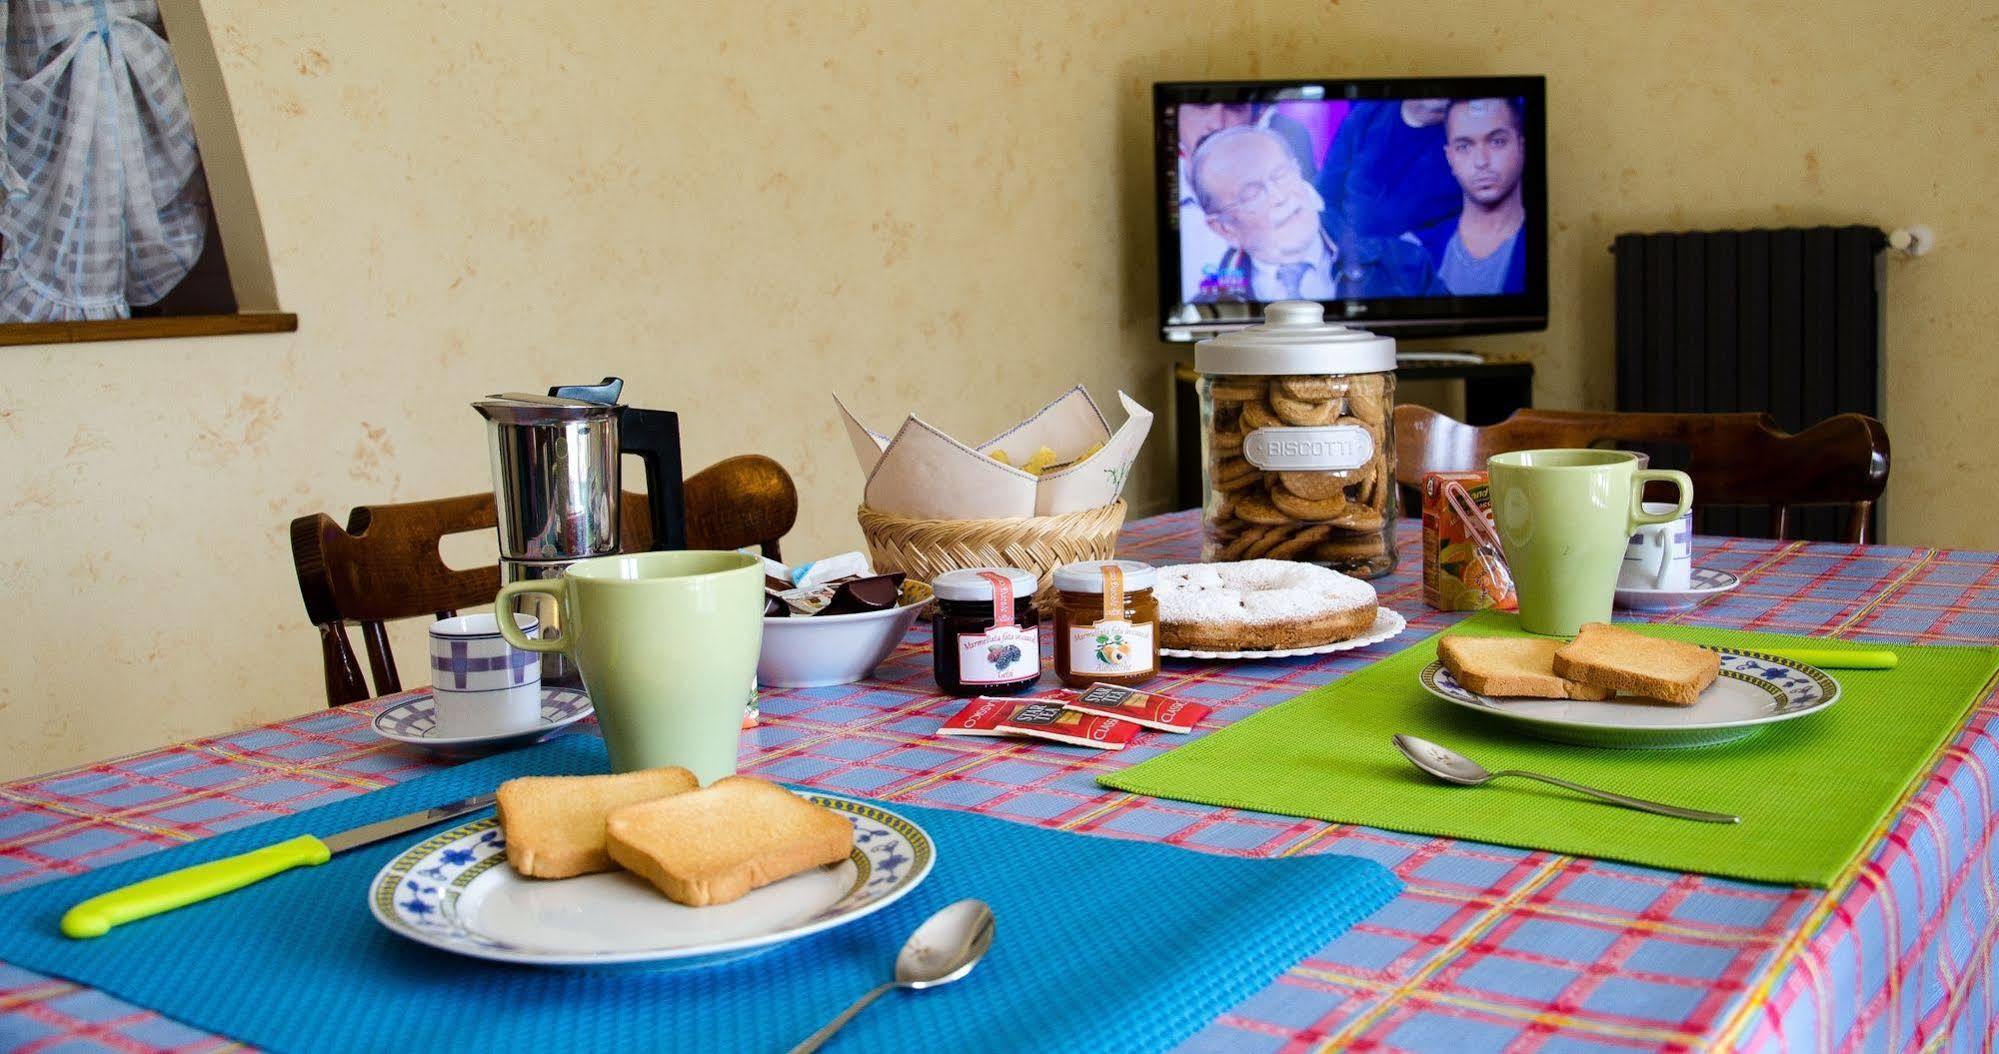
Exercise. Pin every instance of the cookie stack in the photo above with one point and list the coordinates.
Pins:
(1339, 517)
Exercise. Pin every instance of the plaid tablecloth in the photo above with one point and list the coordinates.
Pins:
(1488, 949)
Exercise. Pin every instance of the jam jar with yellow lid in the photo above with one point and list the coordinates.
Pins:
(1106, 623)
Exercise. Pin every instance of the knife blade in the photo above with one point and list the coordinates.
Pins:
(190, 885)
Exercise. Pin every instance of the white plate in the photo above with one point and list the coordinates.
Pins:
(1753, 690)
(414, 721)
(1387, 623)
(1703, 583)
(455, 891)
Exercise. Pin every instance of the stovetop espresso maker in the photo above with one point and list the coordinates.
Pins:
(557, 481)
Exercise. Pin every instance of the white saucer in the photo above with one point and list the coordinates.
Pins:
(455, 891)
(1387, 624)
(1754, 690)
(414, 721)
(1703, 583)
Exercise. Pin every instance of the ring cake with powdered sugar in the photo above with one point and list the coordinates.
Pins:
(1260, 605)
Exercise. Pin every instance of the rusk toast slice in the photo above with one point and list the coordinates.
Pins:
(555, 824)
(1608, 657)
(1511, 667)
(715, 844)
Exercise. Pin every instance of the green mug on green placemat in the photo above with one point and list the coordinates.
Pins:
(667, 644)
(1564, 518)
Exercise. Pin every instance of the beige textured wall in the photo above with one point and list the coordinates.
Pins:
(941, 206)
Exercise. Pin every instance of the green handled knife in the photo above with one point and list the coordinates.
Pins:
(190, 885)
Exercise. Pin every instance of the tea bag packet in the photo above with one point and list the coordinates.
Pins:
(1051, 719)
(980, 717)
(1140, 708)
(1038, 719)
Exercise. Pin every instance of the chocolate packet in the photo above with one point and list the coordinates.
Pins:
(1141, 708)
(1039, 719)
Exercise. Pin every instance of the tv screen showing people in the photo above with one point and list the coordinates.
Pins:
(1354, 199)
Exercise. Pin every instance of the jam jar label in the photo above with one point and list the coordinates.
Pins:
(1112, 646)
(1323, 448)
(1000, 655)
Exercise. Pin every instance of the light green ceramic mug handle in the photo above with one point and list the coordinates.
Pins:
(1639, 517)
(511, 629)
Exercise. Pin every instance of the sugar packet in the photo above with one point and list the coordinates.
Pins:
(1140, 708)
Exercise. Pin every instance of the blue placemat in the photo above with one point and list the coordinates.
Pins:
(1103, 945)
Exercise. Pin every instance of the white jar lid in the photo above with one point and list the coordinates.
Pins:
(1087, 576)
(1295, 338)
(968, 585)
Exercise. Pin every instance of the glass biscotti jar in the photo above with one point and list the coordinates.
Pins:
(1298, 442)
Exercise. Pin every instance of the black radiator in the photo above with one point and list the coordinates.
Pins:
(1786, 321)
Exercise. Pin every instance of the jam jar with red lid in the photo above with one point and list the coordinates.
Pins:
(986, 631)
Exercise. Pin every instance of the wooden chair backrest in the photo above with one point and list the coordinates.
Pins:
(1734, 459)
(385, 564)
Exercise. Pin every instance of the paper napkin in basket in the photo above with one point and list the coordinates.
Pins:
(922, 473)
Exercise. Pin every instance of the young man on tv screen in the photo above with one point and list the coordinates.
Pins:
(1481, 251)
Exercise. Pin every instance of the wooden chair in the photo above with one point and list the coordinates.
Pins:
(385, 565)
(1734, 459)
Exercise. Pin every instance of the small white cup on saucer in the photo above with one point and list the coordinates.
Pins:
(479, 684)
(1659, 555)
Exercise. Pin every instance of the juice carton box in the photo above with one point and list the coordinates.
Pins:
(1463, 566)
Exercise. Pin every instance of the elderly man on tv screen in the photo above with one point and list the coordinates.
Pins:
(1254, 193)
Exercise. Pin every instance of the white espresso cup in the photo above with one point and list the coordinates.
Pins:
(1659, 555)
(479, 684)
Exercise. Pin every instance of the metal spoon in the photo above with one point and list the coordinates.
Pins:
(943, 949)
(1453, 767)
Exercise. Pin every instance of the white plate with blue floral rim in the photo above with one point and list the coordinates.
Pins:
(1753, 690)
(414, 721)
(1387, 624)
(454, 891)
(1702, 583)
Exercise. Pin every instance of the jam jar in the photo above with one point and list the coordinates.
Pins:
(986, 636)
(1106, 623)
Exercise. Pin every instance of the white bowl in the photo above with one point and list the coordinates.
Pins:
(818, 650)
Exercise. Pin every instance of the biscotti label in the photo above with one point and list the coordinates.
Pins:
(1323, 448)
(1112, 646)
(1001, 655)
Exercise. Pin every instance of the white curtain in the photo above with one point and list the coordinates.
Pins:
(105, 202)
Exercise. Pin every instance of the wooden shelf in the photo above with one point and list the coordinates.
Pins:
(146, 328)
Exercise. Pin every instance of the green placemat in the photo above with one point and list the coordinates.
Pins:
(1811, 792)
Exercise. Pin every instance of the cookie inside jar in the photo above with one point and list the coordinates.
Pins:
(1297, 445)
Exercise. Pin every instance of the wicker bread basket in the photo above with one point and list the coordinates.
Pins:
(924, 549)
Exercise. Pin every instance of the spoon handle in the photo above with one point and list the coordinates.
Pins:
(818, 1039)
(1629, 802)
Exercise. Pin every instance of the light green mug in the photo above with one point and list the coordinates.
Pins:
(667, 644)
(1564, 518)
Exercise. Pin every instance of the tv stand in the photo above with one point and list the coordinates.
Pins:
(1493, 390)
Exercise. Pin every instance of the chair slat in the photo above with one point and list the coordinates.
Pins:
(385, 564)
(1734, 458)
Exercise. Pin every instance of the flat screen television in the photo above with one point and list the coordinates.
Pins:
(1414, 206)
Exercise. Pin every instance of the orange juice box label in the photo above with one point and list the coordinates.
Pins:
(1463, 569)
